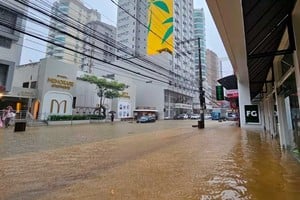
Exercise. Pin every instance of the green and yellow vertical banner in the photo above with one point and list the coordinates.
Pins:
(160, 26)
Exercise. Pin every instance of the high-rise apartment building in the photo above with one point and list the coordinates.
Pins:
(131, 27)
(199, 32)
(75, 12)
(10, 41)
(100, 42)
(132, 32)
(213, 74)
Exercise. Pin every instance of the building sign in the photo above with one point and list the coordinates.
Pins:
(57, 105)
(145, 108)
(232, 93)
(219, 93)
(59, 83)
(251, 114)
(160, 27)
(125, 95)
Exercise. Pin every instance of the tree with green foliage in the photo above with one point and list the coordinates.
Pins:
(106, 89)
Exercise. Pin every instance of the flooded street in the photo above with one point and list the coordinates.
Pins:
(162, 160)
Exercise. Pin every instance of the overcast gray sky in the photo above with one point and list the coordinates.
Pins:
(108, 12)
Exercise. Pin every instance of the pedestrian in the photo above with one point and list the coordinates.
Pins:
(7, 115)
(1, 122)
(112, 117)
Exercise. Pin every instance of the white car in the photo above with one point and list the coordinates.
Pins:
(195, 116)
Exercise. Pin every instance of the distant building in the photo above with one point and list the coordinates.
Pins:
(130, 33)
(53, 87)
(104, 37)
(213, 73)
(177, 96)
(199, 32)
(69, 10)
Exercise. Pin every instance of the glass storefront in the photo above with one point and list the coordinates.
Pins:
(291, 99)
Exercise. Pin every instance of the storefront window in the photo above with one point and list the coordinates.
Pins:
(292, 107)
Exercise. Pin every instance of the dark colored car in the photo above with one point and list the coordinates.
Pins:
(145, 119)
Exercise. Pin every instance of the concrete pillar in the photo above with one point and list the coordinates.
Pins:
(282, 122)
(244, 99)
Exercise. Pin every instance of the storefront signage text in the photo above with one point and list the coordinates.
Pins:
(58, 83)
(251, 114)
(125, 95)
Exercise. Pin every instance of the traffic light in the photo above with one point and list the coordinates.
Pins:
(219, 93)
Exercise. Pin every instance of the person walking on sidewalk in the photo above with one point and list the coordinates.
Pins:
(112, 117)
(8, 114)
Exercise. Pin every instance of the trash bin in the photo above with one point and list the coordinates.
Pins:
(20, 125)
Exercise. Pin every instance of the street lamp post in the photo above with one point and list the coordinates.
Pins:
(201, 91)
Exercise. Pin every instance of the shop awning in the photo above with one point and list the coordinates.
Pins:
(265, 23)
(145, 110)
(229, 82)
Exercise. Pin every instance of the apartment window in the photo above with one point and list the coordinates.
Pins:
(5, 42)
(9, 18)
(26, 85)
(33, 84)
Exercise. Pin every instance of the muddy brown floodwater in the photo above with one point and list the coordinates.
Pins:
(162, 160)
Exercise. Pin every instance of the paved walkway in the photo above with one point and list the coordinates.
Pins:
(163, 160)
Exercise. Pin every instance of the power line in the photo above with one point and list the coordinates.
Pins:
(61, 46)
(150, 61)
(120, 67)
(109, 44)
(76, 38)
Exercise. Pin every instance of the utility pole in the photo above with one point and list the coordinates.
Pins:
(201, 91)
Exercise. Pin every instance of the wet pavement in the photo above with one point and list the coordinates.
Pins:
(162, 160)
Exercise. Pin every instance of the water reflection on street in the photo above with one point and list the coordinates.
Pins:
(162, 160)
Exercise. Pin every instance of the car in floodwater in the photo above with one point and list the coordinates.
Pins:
(195, 116)
(146, 119)
(232, 116)
(181, 116)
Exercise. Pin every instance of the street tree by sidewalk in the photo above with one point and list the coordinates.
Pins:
(106, 89)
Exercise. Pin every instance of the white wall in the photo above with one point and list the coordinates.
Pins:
(244, 99)
(58, 109)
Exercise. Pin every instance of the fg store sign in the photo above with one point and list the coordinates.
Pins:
(251, 114)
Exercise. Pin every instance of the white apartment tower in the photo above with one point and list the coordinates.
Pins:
(99, 43)
(199, 31)
(10, 42)
(214, 73)
(72, 12)
(132, 33)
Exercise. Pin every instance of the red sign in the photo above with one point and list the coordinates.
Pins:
(232, 93)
